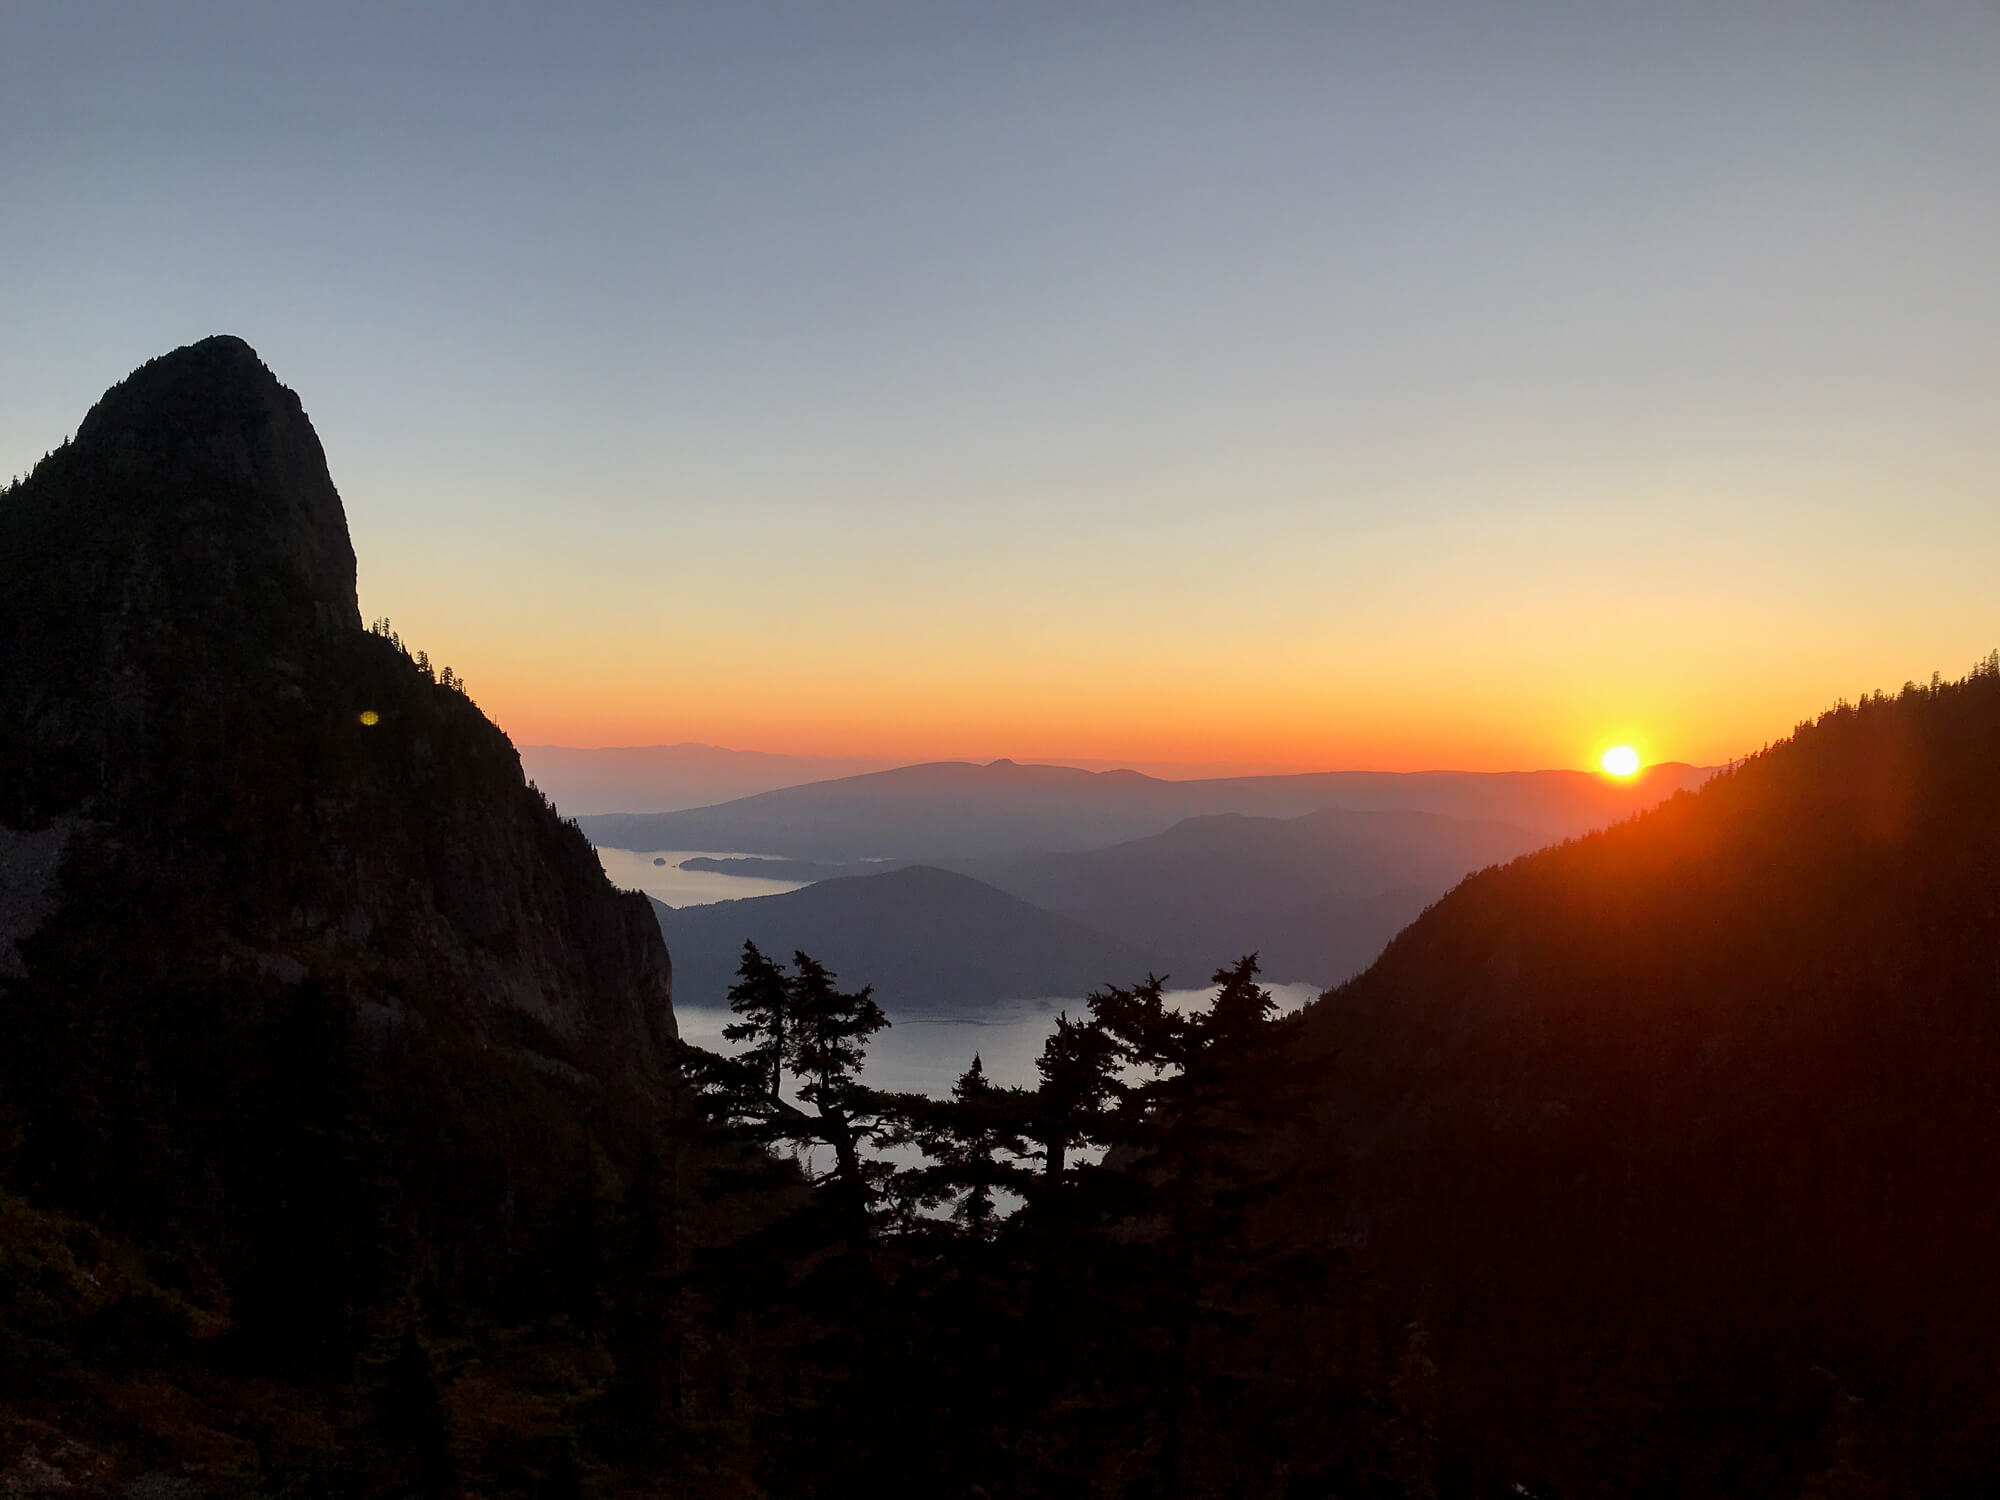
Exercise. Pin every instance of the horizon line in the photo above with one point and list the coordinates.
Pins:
(1098, 766)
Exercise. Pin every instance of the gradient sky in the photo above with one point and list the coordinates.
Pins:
(1386, 385)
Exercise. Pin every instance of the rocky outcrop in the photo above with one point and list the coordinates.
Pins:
(268, 818)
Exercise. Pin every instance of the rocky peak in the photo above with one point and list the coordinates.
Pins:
(185, 547)
(242, 838)
(196, 486)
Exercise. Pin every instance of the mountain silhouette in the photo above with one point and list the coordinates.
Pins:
(1309, 894)
(953, 810)
(301, 986)
(927, 939)
(1317, 897)
(1679, 1140)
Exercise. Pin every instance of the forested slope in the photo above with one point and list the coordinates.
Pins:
(1680, 1140)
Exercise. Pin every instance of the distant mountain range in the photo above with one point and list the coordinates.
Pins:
(954, 810)
(1317, 897)
(671, 778)
(927, 939)
(667, 778)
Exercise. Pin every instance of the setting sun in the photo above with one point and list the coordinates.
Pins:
(1620, 760)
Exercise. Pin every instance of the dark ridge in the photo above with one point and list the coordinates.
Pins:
(304, 991)
(1677, 1140)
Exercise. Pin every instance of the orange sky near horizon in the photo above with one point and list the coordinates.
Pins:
(1698, 619)
(1509, 617)
(1307, 387)
(1293, 707)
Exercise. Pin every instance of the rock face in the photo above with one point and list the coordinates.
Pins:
(190, 528)
(253, 850)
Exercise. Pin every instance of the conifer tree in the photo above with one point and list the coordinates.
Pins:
(804, 1026)
(1240, 1008)
(1078, 1072)
(1143, 1030)
(972, 1141)
(764, 1000)
(828, 1042)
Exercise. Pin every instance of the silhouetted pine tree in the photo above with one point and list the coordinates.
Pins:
(1078, 1068)
(803, 1027)
(764, 1000)
(974, 1141)
(829, 1042)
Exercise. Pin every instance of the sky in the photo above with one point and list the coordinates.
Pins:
(1322, 386)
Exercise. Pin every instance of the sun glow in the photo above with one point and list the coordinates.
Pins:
(1620, 760)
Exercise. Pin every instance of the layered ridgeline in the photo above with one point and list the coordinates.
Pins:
(1678, 1144)
(953, 810)
(666, 778)
(304, 991)
(1315, 897)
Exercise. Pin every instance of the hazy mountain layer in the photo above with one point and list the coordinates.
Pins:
(927, 939)
(1305, 893)
(667, 778)
(1316, 897)
(954, 811)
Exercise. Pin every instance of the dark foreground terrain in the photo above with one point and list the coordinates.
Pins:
(346, 1147)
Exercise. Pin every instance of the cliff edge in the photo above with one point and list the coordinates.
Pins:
(265, 883)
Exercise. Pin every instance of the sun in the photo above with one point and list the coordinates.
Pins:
(1620, 760)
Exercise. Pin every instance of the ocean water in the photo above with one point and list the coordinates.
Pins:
(657, 872)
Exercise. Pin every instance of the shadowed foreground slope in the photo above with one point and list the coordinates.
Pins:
(1680, 1140)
